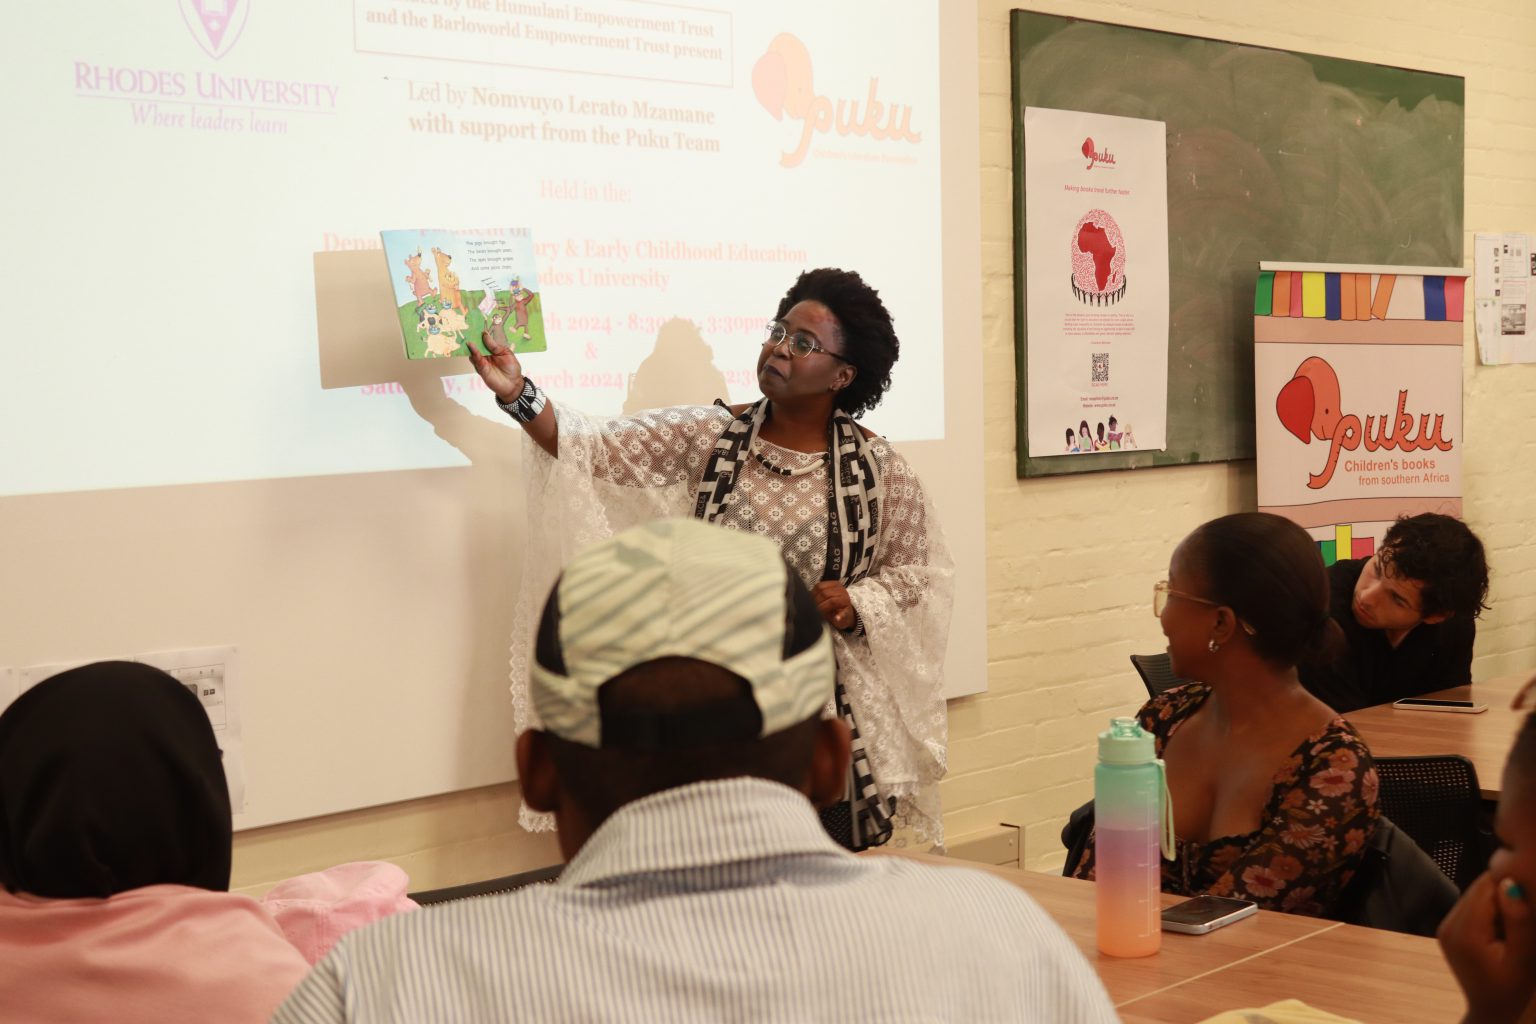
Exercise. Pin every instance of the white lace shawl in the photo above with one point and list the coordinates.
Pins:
(614, 473)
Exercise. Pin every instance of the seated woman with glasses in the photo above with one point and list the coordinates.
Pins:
(1274, 795)
(847, 510)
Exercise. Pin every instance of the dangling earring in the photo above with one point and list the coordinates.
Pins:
(1212, 646)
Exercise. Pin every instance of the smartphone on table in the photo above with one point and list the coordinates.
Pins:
(1455, 707)
(1206, 913)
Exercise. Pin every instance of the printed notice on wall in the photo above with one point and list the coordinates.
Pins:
(1096, 249)
(1501, 286)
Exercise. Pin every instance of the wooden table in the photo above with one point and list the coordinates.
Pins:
(1362, 973)
(1484, 739)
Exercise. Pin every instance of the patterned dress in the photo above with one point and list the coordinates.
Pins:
(613, 473)
(1320, 813)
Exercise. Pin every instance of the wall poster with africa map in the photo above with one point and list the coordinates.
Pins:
(449, 285)
(1271, 154)
(1096, 195)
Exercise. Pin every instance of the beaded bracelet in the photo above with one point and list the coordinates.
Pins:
(528, 404)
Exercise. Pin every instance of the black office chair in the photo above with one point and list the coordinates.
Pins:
(1436, 800)
(1156, 672)
(489, 886)
(1074, 836)
(1397, 886)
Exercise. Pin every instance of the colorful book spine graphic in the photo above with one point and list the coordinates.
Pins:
(1345, 545)
(1318, 295)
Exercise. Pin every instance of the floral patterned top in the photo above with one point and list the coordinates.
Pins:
(1320, 814)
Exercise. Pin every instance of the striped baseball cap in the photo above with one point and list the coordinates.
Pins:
(680, 588)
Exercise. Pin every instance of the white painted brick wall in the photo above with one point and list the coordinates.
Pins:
(1062, 616)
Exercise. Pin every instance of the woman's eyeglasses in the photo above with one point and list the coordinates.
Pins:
(800, 343)
(1161, 592)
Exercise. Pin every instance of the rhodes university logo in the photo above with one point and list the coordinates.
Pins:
(215, 24)
(782, 81)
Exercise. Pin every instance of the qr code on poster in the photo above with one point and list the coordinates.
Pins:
(1101, 367)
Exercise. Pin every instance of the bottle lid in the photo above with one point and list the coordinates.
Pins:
(1126, 742)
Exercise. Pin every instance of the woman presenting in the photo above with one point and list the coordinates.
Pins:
(846, 509)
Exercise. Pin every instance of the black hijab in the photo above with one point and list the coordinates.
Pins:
(110, 779)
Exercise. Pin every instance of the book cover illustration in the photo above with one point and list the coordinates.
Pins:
(449, 285)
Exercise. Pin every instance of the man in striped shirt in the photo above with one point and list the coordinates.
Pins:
(681, 673)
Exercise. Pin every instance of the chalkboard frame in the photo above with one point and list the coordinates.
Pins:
(1210, 349)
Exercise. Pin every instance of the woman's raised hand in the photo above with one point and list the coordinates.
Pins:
(500, 370)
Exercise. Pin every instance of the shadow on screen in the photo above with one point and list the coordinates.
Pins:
(357, 328)
(679, 371)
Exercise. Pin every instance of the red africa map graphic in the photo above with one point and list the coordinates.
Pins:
(1096, 243)
(1098, 253)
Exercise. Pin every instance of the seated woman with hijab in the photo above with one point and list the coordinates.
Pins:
(1274, 794)
(115, 849)
(846, 509)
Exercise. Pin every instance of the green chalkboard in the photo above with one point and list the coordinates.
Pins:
(1272, 155)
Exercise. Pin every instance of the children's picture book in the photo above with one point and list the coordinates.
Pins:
(449, 285)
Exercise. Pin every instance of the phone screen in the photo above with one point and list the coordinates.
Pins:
(1426, 703)
(1203, 910)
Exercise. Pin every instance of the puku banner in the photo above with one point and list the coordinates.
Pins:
(1357, 397)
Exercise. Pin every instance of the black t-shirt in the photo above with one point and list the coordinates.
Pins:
(1372, 671)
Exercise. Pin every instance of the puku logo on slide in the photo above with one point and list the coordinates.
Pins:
(1095, 156)
(1308, 406)
(215, 24)
(781, 78)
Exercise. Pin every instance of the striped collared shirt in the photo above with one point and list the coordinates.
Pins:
(717, 901)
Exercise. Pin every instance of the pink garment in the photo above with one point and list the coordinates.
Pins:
(161, 954)
(315, 910)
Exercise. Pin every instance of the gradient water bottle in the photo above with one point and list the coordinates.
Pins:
(1133, 824)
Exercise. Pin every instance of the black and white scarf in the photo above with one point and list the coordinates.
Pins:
(853, 533)
(853, 488)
